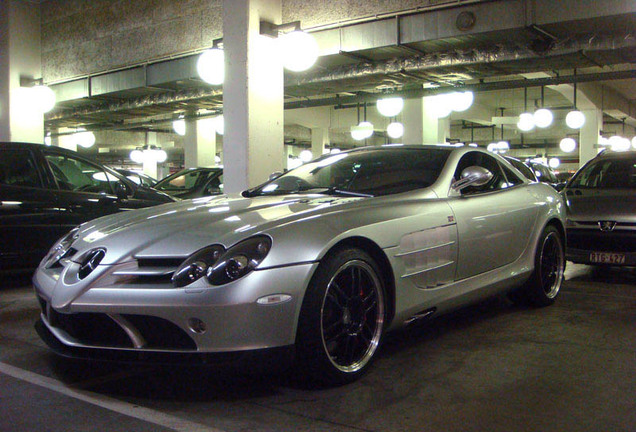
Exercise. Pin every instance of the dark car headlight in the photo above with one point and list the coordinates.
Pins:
(221, 266)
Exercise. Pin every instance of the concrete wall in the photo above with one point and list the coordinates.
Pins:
(318, 13)
(81, 37)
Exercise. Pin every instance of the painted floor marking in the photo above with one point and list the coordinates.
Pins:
(128, 409)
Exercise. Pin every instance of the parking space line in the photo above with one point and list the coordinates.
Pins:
(128, 409)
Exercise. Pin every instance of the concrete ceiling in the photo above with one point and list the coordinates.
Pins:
(413, 55)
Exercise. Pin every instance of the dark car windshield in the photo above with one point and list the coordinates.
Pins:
(188, 180)
(369, 172)
(607, 174)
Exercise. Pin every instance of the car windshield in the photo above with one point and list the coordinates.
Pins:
(186, 180)
(607, 174)
(366, 173)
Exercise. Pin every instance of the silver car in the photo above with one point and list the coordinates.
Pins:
(601, 211)
(323, 260)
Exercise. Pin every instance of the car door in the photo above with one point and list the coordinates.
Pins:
(494, 221)
(30, 219)
(86, 190)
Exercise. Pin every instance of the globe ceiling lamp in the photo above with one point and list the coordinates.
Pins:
(618, 143)
(395, 130)
(526, 122)
(44, 98)
(306, 155)
(137, 156)
(461, 101)
(567, 145)
(211, 66)
(543, 118)
(575, 119)
(299, 50)
(634, 142)
(84, 138)
(179, 126)
(554, 163)
(390, 107)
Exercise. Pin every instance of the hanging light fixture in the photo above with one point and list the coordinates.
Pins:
(84, 138)
(44, 97)
(179, 126)
(575, 119)
(526, 119)
(543, 117)
(363, 129)
(211, 66)
(305, 155)
(554, 163)
(567, 145)
(148, 154)
(390, 107)
(461, 101)
(395, 130)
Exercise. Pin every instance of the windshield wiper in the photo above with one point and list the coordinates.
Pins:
(335, 191)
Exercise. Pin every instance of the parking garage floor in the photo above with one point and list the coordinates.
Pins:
(491, 367)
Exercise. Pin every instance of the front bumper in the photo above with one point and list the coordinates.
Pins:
(99, 316)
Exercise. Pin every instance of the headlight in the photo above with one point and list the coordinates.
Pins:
(196, 266)
(62, 247)
(221, 266)
(239, 260)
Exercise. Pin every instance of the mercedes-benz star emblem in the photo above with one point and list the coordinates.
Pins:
(606, 225)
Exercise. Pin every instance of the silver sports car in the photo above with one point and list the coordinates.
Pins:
(324, 259)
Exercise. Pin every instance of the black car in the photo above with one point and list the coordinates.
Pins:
(45, 191)
(522, 167)
(137, 177)
(193, 183)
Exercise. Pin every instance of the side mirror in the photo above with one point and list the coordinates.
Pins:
(472, 176)
(121, 191)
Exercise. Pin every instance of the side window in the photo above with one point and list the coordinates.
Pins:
(483, 160)
(77, 175)
(513, 179)
(17, 168)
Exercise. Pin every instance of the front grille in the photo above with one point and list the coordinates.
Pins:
(94, 329)
(144, 272)
(160, 333)
(99, 330)
(597, 240)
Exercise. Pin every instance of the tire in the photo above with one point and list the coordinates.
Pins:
(342, 319)
(545, 282)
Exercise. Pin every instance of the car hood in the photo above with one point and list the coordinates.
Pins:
(595, 205)
(179, 229)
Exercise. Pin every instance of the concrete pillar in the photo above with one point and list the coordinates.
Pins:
(589, 135)
(252, 94)
(149, 165)
(319, 140)
(19, 57)
(199, 143)
(435, 130)
(421, 125)
(412, 116)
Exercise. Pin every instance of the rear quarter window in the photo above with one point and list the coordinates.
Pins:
(18, 168)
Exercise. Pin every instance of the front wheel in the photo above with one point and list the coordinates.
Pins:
(543, 286)
(342, 318)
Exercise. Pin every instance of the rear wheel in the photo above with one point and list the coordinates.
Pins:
(342, 318)
(544, 285)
